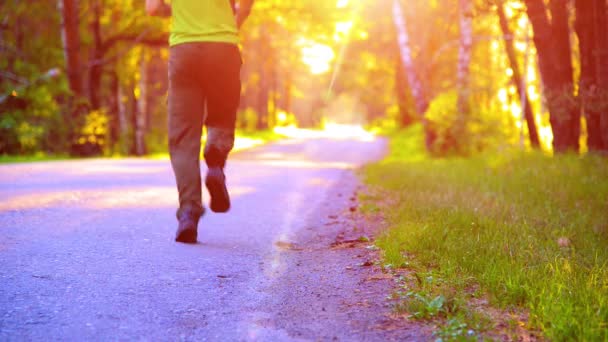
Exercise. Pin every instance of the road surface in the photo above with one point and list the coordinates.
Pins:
(87, 251)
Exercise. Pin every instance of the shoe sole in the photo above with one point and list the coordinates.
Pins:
(187, 236)
(220, 199)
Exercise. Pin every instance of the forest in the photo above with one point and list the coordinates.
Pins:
(88, 77)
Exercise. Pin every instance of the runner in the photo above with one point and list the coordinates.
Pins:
(204, 90)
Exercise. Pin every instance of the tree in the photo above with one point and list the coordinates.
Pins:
(464, 61)
(70, 33)
(406, 117)
(418, 93)
(517, 77)
(552, 40)
(591, 28)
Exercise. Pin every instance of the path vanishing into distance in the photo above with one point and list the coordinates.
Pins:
(87, 251)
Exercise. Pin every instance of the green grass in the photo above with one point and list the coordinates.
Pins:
(265, 135)
(255, 137)
(7, 159)
(494, 223)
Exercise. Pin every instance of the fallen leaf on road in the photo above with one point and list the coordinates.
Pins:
(345, 244)
(331, 223)
(287, 246)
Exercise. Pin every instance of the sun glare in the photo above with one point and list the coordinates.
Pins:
(330, 130)
(343, 29)
(317, 56)
(342, 3)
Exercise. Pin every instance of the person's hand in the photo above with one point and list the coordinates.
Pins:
(158, 8)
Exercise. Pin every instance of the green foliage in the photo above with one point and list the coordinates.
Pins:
(31, 121)
(30, 117)
(423, 307)
(529, 229)
(466, 134)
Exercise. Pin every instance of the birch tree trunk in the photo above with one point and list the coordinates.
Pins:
(405, 51)
(464, 57)
(420, 98)
(517, 76)
(465, 12)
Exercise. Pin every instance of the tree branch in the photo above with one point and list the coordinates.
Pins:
(159, 41)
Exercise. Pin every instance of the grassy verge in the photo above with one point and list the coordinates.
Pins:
(522, 229)
(243, 141)
(6, 159)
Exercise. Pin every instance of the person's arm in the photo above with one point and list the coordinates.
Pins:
(158, 8)
(243, 10)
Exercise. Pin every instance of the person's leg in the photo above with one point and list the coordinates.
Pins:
(223, 90)
(186, 113)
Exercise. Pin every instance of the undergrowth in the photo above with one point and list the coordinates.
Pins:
(525, 229)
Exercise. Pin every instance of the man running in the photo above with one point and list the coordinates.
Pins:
(204, 90)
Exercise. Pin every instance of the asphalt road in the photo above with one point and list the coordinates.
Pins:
(87, 251)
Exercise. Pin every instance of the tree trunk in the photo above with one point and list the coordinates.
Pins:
(517, 77)
(95, 65)
(142, 107)
(123, 122)
(415, 84)
(601, 61)
(406, 117)
(264, 86)
(552, 40)
(287, 86)
(590, 28)
(272, 112)
(464, 55)
(113, 112)
(463, 70)
(262, 103)
(70, 36)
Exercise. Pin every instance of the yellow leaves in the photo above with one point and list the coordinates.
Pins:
(95, 127)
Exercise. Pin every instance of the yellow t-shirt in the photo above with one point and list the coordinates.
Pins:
(202, 21)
